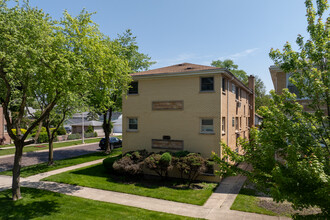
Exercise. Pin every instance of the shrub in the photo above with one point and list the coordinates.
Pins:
(181, 153)
(108, 162)
(74, 136)
(131, 163)
(88, 135)
(43, 137)
(22, 131)
(61, 130)
(194, 166)
(90, 129)
(161, 164)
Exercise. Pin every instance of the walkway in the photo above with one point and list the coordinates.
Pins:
(217, 206)
(35, 157)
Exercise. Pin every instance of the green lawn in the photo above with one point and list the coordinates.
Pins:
(41, 204)
(96, 177)
(246, 201)
(4, 151)
(43, 167)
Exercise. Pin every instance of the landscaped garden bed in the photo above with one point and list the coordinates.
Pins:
(41, 204)
(162, 187)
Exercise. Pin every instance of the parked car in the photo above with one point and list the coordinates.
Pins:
(114, 141)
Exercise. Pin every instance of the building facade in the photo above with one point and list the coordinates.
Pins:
(186, 107)
(281, 81)
(4, 137)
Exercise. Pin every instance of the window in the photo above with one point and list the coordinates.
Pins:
(132, 124)
(207, 84)
(223, 125)
(223, 84)
(207, 126)
(237, 123)
(134, 88)
(5, 128)
(237, 92)
(233, 122)
(244, 109)
(247, 122)
(233, 88)
(240, 122)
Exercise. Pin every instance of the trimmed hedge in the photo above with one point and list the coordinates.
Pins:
(74, 136)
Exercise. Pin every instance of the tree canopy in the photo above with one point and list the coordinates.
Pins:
(260, 90)
(290, 154)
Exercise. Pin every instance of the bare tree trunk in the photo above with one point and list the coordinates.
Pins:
(16, 189)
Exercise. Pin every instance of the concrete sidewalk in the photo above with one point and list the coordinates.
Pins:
(216, 207)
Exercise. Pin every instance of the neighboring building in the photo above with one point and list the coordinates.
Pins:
(187, 107)
(4, 136)
(97, 126)
(118, 125)
(281, 81)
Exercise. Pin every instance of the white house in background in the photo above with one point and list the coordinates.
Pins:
(118, 125)
(97, 126)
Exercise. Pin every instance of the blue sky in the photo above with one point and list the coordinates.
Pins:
(197, 31)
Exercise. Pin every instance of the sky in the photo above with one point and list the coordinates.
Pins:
(197, 31)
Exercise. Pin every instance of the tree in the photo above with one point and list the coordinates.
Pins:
(107, 97)
(35, 55)
(260, 90)
(290, 154)
(92, 116)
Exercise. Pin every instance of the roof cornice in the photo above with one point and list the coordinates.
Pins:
(193, 73)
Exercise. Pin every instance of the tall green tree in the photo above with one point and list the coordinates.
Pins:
(106, 98)
(290, 154)
(35, 55)
(260, 90)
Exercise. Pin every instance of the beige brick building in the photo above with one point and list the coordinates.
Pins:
(3, 128)
(186, 107)
(281, 81)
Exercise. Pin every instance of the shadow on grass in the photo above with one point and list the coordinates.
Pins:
(35, 203)
(147, 181)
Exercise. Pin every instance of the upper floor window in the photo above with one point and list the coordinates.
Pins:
(207, 126)
(134, 88)
(237, 92)
(5, 128)
(223, 84)
(207, 83)
(233, 88)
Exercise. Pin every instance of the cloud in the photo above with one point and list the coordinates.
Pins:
(239, 54)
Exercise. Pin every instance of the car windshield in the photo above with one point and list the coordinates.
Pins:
(113, 139)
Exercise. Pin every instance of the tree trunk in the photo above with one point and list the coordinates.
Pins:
(16, 190)
(51, 152)
(107, 130)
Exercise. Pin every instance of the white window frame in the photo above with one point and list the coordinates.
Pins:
(223, 125)
(128, 124)
(201, 126)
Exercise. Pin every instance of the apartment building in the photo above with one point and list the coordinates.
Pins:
(281, 81)
(187, 107)
(4, 137)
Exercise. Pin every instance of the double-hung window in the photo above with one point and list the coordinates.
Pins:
(134, 88)
(223, 125)
(207, 126)
(133, 124)
(207, 84)
(223, 84)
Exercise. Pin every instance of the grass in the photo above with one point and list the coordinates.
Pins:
(43, 167)
(246, 201)
(4, 151)
(97, 177)
(41, 204)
